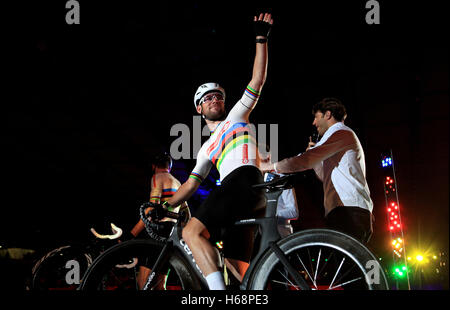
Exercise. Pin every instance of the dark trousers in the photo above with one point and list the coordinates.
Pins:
(353, 221)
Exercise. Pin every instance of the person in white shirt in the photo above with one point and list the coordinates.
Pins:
(287, 207)
(339, 162)
(287, 210)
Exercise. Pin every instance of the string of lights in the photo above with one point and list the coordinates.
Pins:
(394, 220)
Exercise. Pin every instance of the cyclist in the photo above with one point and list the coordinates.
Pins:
(338, 160)
(232, 149)
(163, 186)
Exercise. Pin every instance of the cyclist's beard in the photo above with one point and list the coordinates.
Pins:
(215, 116)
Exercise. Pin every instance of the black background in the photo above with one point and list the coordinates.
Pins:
(85, 106)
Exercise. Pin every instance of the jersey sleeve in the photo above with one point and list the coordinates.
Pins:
(246, 104)
(202, 166)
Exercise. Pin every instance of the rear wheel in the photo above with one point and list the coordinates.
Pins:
(326, 259)
(118, 268)
(60, 269)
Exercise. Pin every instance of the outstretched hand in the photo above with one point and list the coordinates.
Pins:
(263, 24)
(265, 165)
(310, 144)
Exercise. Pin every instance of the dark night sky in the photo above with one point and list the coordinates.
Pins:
(93, 101)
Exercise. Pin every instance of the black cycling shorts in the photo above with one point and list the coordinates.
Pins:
(233, 200)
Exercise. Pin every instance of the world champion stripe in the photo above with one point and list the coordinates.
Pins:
(223, 135)
(219, 136)
(226, 138)
(252, 93)
(243, 139)
(196, 176)
(169, 192)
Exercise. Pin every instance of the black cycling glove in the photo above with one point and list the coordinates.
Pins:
(158, 212)
(262, 28)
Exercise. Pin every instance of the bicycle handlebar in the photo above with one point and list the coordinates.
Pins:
(117, 232)
(150, 226)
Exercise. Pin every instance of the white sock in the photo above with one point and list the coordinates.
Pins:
(215, 281)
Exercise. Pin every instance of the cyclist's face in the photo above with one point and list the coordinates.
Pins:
(321, 122)
(213, 106)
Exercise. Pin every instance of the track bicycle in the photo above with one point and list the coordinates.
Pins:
(51, 271)
(314, 259)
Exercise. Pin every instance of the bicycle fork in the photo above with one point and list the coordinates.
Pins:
(157, 264)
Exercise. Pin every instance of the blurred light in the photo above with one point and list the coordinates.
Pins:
(400, 271)
(419, 258)
(386, 162)
(219, 244)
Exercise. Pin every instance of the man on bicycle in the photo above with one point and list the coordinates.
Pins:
(162, 186)
(232, 148)
(338, 160)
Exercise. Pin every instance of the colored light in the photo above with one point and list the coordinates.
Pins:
(419, 258)
(387, 161)
(400, 271)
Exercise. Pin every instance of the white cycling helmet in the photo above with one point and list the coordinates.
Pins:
(207, 88)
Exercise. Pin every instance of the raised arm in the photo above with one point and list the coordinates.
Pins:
(262, 24)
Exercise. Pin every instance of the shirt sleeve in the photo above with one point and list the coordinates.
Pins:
(202, 167)
(246, 104)
(338, 141)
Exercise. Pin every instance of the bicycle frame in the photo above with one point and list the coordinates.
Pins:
(175, 243)
(269, 237)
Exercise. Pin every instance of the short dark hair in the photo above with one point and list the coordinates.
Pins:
(335, 106)
(162, 160)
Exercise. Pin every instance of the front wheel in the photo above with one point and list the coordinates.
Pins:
(326, 259)
(121, 268)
